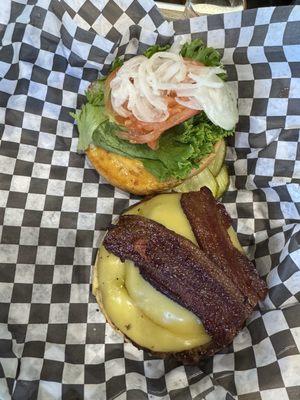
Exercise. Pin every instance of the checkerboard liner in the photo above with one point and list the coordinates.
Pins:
(54, 208)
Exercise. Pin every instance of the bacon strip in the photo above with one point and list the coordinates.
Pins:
(210, 221)
(183, 272)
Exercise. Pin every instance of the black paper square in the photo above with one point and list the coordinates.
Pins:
(60, 293)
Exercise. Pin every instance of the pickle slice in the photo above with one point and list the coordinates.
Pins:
(193, 184)
(223, 181)
(216, 165)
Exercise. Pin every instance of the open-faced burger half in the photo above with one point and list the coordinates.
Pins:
(172, 277)
(157, 118)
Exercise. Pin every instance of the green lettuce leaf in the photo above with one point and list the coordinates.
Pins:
(88, 119)
(196, 50)
(155, 49)
(179, 151)
(116, 64)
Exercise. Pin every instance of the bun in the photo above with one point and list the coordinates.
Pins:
(130, 175)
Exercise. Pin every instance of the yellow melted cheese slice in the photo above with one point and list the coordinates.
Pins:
(147, 317)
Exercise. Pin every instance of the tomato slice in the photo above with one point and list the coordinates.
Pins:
(147, 132)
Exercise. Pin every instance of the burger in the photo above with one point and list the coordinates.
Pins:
(159, 118)
(173, 279)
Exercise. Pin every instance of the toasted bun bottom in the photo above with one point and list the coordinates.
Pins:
(130, 175)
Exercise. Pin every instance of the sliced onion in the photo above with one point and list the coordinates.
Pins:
(142, 88)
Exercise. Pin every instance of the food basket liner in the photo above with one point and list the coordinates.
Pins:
(54, 208)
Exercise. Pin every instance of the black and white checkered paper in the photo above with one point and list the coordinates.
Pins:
(54, 208)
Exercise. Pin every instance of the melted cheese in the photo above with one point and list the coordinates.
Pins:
(147, 317)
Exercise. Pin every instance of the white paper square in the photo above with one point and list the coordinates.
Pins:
(264, 353)
(31, 121)
(8, 253)
(245, 72)
(18, 313)
(262, 88)
(245, 106)
(3, 198)
(290, 370)
(64, 128)
(16, 102)
(55, 352)
(242, 340)
(223, 362)
(24, 273)
(13, 216)
(56, 187)
(216, 38)
(50, 219)
(60, 158)
(41, 171)
(275, 34)
(263, 16)
(49, 390)
(76, 333)
(75, 175)
(112, 336)
(94, 315)
(70, 204)
(26, 152)
(265, 167)
(63, 274)
(5, 292)
(256, 54)
(86, 221)
(232, 20)
(31, 368)
(280, 69)
(73, 373)
(39, 88)
(36, 332)
(246, 381)
(176, 379)
(56, 80)
(291, 52)
(66, 238)
(59, 313)
(83, 256)
(277, 107)
(286, 150)
(94, 354)
(272, 394)
(275, 322)
(246, 34)
(276, 243)
(136, 381)
(46, 140)
(89, 189)
(80, 293)
(115, 367)
(7, 165)
(35, 201)
(96, 391)
(29, 236)
(46, 255)
(41, 293)
(51, 110)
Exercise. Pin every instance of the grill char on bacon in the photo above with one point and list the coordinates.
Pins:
(188, 274)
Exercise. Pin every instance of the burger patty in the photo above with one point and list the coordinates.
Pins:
(183, 272)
